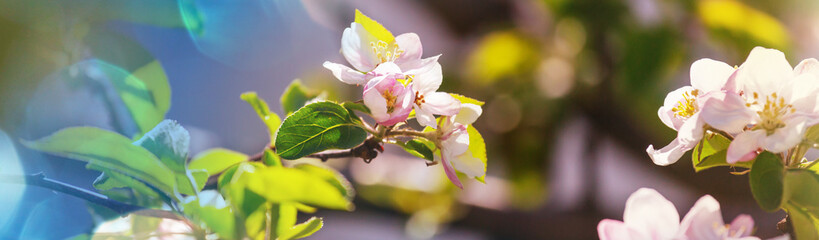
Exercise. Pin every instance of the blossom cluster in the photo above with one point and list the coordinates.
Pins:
(762, 105)
(649, 215)
(399, 84)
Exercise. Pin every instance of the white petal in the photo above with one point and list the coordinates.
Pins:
(744, 146)
(742, 224)
(419, 66)
(377, 104)
(425, 118)
(469, 165)
(785, 137)
(710, 75)
(691, 131)
(468, 113)
(609, 229)
(410, 43)
(651, 214)
(387, 68)
(456, 144)
(810, 65)
(441, 103)
(668, 154)
(355, 46)
(672, 100)
(803, 93)
(763, 71)
(703, 220)
(726, 111)
(345, 74)
(428, 81)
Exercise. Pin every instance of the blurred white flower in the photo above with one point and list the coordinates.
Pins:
(452, 139)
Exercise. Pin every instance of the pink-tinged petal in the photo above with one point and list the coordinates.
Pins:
(609, 229)
(387, 68)
(428, 81)
(346, 74)
(763, 71)
(377, 104)
(456, 142)
(468, 114)
(469, 165)
(672, 100)
(691, 131)
(742, 226)
(726, 111)
(450, 173)
(441, 103)
(651, 214)
(703, 221)
(810, 65)
(425, 118)
(669, 154)
(410, 43)
(802, 92)
(744, 147)
(419, 66)
(710, 75)
(785, 137)
(355, 46)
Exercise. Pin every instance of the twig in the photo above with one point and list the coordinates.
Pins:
(367, 151)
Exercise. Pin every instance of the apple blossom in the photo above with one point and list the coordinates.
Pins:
(452, 138)
(428, 101)
(389, 100)
(774, 104)
(364, 51)
(681, 109)
(649, 215)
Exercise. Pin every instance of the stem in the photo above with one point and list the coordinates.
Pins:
(720, 132)
(367, 151)
(408, 133)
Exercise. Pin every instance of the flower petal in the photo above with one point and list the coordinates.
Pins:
(456, 143)
(387, 68)
(376, 103)
(428, 81)
(355, 46)
(468, 113)
(672, 100)
(668, 154)
(345, 74)
(802, 92)
(651, 214)
(450, 173)
(785, 137)
(744, 146)
(691, 131)
(609, 229)
(419, 66)
(425, 118)
(410, 43)
(710, 75)
(703, 221)
(725, 111)
(469, 165)
(763, 71)
(742, 226)
(810, 65)
(441, 103)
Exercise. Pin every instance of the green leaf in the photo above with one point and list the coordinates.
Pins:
(421, 148)
(304, 229)
(219, 219)
(805, 225)
(766, 179)
(711, 151)
(478, 148)
(192, 178)
(269, 118)
(286, 185)
(373, 27)
(802, 189)
(272, 159)
(216, 160)
(356, 106)
(137, 96)
(109, 151)
(112, 179)
(169, 142)
(317, 127)
(156, 81)
(331, 176)
(283, 217)
(465, 99)
(296, 96)
(813, 134)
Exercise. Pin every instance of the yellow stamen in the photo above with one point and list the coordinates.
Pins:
(687, 106)
(384, 52)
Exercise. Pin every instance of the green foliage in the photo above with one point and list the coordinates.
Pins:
(217, 160)
(146, 100)
(331, 176)
(108, 152)
(465, 99)
(271, 159)
(269, 118)
(477, 147)
(318, 127)
(296, 96)
(419, 147)
(303, 230)
(711, 151)
(766, 180)
(373, 27)
(356, 106)
(284, 185)
(169, 142)
(217, 218)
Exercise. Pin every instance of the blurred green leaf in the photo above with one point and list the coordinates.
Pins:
(498, 55)
(711, 151)
(356, 106)
(742, 23)
(421, 148)
(285, 185)
(156, 81)
(143, 227)
(138, 98)
(269, 118)
(111, 179)
(805, 225)
(216, 160)
(304, 229)
(296, 96)
(169, 142)
(330, 175)
(477, 147)
(373, 27)
(802, 189)
(766, 179)
(106, 150)
(465, 99)
(186, 181)
(318, 127)
(272, 159)
(218, 219)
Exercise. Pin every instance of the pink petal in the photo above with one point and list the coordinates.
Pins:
(376, 103)
(355, 46)
(345, 74)
(672, 100)
(428, 81)
(651, 214)
(710, 75)
(419, 66)
(441, 103)
(742, 226)
(410, 43)
(725, 111)
(609, 229)
(704, 220)
(450, 173)
(744, 146)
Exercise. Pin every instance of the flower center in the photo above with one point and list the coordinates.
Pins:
(419, 99)
(384, 52)
(771, 113)
(391, 98)
(687, 106)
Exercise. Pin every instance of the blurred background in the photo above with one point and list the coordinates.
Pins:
(572, 88)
